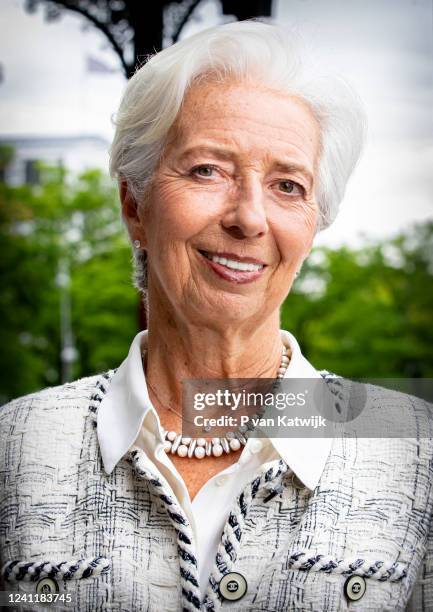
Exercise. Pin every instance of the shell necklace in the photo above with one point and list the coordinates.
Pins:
(183, 446)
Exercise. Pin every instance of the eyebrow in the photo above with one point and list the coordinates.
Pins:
(227, 154)
(219, 152)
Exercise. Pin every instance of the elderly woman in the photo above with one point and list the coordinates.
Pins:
(231, 154)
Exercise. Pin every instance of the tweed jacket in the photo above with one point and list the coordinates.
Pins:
(121, 542)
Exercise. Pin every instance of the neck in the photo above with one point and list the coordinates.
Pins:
(179, 350)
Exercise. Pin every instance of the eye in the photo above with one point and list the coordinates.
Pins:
(290, 187)
(204, 170)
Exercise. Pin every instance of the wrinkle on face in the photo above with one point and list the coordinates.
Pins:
(251, 134)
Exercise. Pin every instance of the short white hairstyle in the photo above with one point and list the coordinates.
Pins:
(268, 54)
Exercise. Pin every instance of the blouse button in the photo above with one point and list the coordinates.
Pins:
(47, 586)
(221, 481)
(232, 586)
(354, 587)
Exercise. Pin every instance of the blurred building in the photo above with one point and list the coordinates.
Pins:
(76, 153)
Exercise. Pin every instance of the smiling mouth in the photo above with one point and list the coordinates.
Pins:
(232, 263)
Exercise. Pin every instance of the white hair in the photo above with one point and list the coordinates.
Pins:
(250, 50)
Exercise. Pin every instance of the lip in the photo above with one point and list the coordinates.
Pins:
(238, 277)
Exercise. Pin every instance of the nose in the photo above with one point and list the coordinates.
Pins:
(245, 215)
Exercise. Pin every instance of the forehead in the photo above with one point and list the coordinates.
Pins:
(249, 116)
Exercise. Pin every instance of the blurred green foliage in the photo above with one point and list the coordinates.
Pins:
(72, 218)
(357, 312)
(367, 312)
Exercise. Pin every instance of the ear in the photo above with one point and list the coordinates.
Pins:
(131, 213)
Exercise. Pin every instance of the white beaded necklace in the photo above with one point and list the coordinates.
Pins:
(183, 446)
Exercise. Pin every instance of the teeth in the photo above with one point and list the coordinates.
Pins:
(234, 265)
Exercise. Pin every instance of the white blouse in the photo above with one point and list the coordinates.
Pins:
(126, 417)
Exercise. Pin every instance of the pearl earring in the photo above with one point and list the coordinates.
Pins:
(137, 244)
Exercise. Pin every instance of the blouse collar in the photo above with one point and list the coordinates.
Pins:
(126, 404)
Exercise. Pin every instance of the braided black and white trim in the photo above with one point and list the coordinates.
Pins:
(270, 482)
(189, 578)
(377, 570)
(100, 391)
(32, 571)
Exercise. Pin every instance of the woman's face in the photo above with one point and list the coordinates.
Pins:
(235, 189)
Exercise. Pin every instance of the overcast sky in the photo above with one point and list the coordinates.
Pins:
(384, 47)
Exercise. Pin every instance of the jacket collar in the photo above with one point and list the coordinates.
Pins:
(126, 403)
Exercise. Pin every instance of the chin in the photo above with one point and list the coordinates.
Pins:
(231, 309)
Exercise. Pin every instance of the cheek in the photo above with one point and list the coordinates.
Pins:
(176, 214)
(294, 232)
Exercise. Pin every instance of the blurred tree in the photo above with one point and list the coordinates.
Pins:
(367, 312)
(77, 220)
(6, 156)
(136, 29)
